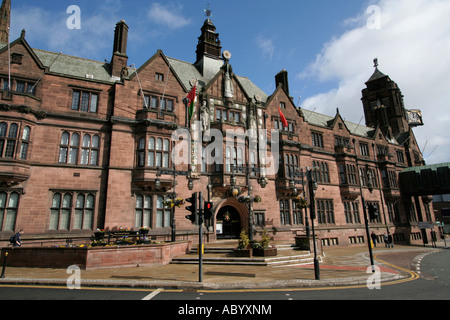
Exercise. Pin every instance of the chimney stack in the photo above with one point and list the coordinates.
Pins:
(282, 78)
(119, 59)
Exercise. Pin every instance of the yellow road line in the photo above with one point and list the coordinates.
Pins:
(412, 276)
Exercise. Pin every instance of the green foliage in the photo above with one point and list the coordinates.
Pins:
(265, 240)
(244, 242)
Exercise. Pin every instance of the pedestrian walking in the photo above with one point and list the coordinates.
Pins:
(374, 239)
(385, 238)
(16, 240)
(390, 242)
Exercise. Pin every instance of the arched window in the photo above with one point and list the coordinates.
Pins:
(84, 211)
(158, 152)
(25, 142)
(162, 213)
(60, 211)
(89, 150)
(9, 203)
(64, 147)
(73, 151)
(11, 141)
(3, 130)
(143, 211)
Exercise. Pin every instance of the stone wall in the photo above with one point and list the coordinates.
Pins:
(95, 257)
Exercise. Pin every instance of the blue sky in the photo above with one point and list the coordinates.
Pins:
(326, 46)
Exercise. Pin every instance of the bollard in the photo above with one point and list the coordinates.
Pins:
(4, 265)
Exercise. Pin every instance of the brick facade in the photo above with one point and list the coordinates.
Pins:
(96, 140)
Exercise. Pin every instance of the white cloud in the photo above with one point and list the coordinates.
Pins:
(266, 46)
(168, 16)
(49, 30)
(413, 46)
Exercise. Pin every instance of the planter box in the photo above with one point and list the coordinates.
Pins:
(269, 252)
(243, 253)
(95, 257)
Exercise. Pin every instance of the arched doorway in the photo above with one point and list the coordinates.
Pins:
(228, 223)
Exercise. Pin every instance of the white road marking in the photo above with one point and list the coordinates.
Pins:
(152, 295)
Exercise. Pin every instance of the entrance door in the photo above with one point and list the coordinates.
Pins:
(228, 223)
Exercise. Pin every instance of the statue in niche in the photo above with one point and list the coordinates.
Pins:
(205, 116)
(252, 126)
(228, 85)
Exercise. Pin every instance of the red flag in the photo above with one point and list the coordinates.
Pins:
(283, 119)
(191, 98)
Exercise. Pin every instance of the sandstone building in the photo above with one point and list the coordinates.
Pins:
(87, 144)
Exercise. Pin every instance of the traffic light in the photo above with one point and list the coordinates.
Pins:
(208, 210)
(373, 212)
(192, 208)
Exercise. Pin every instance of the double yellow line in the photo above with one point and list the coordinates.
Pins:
(412, 276)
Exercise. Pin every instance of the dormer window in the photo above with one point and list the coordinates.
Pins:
(16, 58)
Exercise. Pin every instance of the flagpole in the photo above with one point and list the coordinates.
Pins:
(9, 65)
(43, 73)
(164, 92)
(140, 87)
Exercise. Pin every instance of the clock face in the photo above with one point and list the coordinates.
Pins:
(414, 117)
(226, 54)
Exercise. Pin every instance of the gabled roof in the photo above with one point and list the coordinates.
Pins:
(21, 40)
(75, 67)
(323, 120)
(186, 71)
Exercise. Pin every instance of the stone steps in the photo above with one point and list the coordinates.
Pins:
(287, 255)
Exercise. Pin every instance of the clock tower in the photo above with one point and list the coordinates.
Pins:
(383, 104)
(208, 42)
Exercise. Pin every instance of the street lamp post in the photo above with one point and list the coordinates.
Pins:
(366, 221)
(312, 186)
(261, 181)
(292, 184)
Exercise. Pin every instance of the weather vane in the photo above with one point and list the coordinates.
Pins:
(208, 11)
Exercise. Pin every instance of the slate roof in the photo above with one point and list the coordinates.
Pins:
(101, 71)
(187, 71)
(75, 66)
(376, 75)
(324, 121)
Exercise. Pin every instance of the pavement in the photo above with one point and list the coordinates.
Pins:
(339, 266)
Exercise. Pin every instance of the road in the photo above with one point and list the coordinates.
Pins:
(433, 284)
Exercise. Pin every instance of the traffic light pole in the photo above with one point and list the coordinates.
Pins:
(200, 237)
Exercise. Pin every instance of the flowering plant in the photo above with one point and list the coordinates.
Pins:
(301, 201)
(248, 199)
(170, 203)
